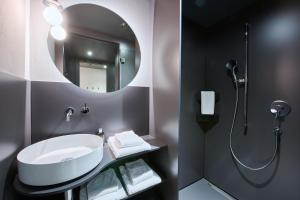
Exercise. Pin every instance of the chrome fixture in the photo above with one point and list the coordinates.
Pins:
(279, 108)
(69, 112)
(100, 133)
(232, 66)
(85, 109)
(52, 3)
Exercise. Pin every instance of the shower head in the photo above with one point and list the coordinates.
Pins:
(231, 65)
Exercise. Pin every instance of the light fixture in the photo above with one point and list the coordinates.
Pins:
(89, 53)
(104, 66)
(52, 12)
(54, 17)
(58, 32)
(123, 25)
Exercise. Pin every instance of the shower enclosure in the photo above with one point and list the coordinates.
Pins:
(247, 52)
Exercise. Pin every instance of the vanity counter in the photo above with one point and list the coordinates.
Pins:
(107, 161)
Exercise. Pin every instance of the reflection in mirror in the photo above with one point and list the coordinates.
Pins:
(100, 52)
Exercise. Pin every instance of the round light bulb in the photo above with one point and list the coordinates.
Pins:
(89, 53)
(58, 32)
(52, 15)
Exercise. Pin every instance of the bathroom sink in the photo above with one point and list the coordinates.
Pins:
(59, 159)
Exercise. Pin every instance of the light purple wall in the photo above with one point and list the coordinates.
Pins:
(12, 88)
(12, 37)
(166, 84)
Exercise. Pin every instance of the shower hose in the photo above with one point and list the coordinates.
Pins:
(231, 132)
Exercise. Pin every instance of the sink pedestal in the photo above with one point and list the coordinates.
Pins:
(69, 195)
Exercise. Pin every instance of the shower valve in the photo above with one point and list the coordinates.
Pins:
(277, 131)
(280, 108)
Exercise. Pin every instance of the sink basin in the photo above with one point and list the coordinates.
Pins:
(59, 159)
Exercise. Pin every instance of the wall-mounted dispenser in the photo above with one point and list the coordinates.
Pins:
(122, 60)
(207, 115)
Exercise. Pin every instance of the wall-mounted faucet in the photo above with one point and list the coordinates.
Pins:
(85, 109)
(69, 112)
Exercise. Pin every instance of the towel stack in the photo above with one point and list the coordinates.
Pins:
(106, 186)
(138, 176)
(127, 143)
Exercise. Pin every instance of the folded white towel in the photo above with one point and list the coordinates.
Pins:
(138, 171)
(131, 189)
(128, 139)
(118, 195)
(105, 183)
(83, 193)
(121, 152)
(207, 102)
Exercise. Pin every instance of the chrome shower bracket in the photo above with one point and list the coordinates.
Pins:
(241, 81)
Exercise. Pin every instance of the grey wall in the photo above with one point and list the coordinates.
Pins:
(12, 127)
(192, 140)
(127, 70)
(274, 74)
(117, 111)
(110, 78)
(166, 85)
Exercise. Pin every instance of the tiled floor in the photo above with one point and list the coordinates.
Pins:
(203, 190)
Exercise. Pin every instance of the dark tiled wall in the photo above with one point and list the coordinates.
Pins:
(274, 73)
(12, 128)
(117, 111)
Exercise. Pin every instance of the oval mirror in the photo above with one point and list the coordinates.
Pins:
(100, 52)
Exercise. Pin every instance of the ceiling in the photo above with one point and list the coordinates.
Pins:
(207, 13)
(102, 52)
(98, 19)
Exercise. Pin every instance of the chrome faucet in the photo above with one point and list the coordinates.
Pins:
(100, 133)
(69, 112)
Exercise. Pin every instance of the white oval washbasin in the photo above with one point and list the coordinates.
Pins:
(59, 159)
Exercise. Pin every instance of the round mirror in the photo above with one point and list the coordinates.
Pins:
(100, 52)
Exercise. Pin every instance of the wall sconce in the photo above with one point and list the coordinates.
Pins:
(54, 18)
(58, 32)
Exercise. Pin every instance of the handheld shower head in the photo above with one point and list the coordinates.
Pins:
(232, 66)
